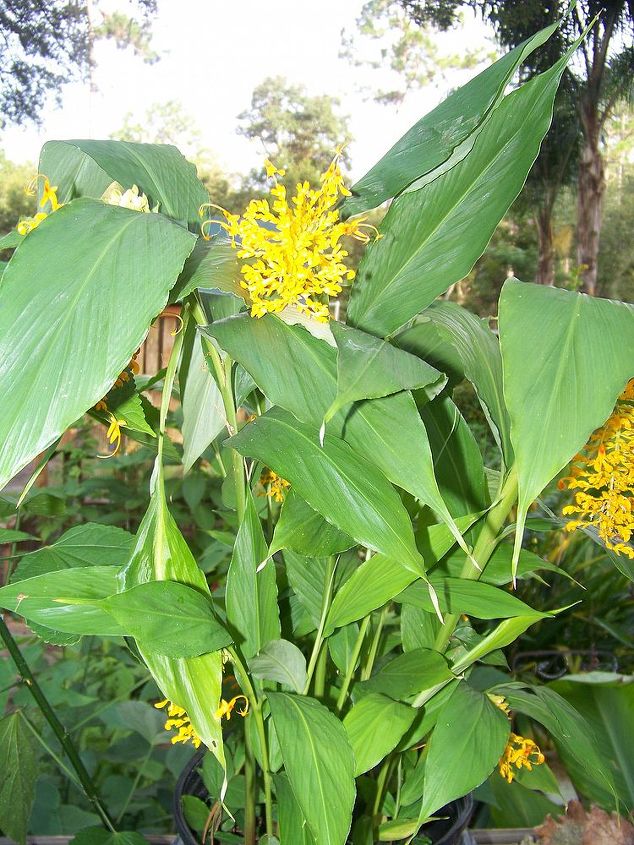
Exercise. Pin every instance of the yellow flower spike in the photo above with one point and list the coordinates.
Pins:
(178, 720)
(113, 434)
(272, 170)
(226, 707)
(500, 702)
(291, 250)
(276, 485)
(603, 475)
(29, 223)
(49, 195)
(521, 753)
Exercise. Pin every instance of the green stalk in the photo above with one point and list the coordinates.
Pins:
(482, 550)
(256, 710)
(325, 607)
(250, 786)
(367, 669)
(356, 651)
(58, 729)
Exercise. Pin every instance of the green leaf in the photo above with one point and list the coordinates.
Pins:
(478, 350)
(457, 460)
(90, 544)
(388, 431)
(211, 266)
(196, 812)
(87, 168)
(334, 480)
(498, 569)
(408, 674)
(374, 726)
(11, 535)
(194, 683)
(502, 635)
(516, 805)
(280, 661)
(19, 773)
(380, 579)
(433, 139)
(131, 410)
(203, 409)
(309, 580)
(169, 618)
(67, 600)
(429, 237)
(11, 240)
(251, 596)
(467, 742)
(301, 529)
(319, 764)
(572, 733)
(608, 707)
(370, 368)
(293, 827)
(475, 598)
(66, 282)
(559, 348)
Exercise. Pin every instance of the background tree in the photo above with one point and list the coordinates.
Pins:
(47, 43)
(603, 77)
(14, 201)
(299, 132)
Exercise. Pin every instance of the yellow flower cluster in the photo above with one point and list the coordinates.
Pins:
(292, 250)
(519, 752)
(132, 198)
(179, 720)
(603, 473)
(49, 197)
(275, 487)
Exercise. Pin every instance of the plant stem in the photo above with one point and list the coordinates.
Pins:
(64, 768)
(356, 651)
(250, 786)
(367, 669)
(56, 726)
(256, 710)
(483, 549)
(325, 607)
(320, 673)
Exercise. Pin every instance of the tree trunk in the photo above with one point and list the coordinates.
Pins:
(546, 263)
(591, 188)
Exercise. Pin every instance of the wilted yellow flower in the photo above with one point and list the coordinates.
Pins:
(519, 752)
(276, 485)
(292, 250)
(113, 434)
(178, 719)
(603, 474)
(226, 707)
(49, 197)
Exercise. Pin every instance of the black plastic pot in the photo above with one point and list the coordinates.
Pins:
(449, 831)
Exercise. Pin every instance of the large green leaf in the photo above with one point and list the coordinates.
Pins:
(478, 350)
(280, 661)
(82, 545)
(211, 266)
(86, 168)
(461, 595)
(293, 827)
(169, 618)
(607, 704)
(388, 431)
(19, 773)
(431, 140)
(301, 529)
(309, 578)
(369, 368)
(409, 673)
(567, 356)
(374, 726)
(380, 579)
(86, 284)
(467, 742)
(194, 683)
(429, 237)
(67, 600)
(251, 596)
(203, 409)
(319, 763)
(340, 484)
